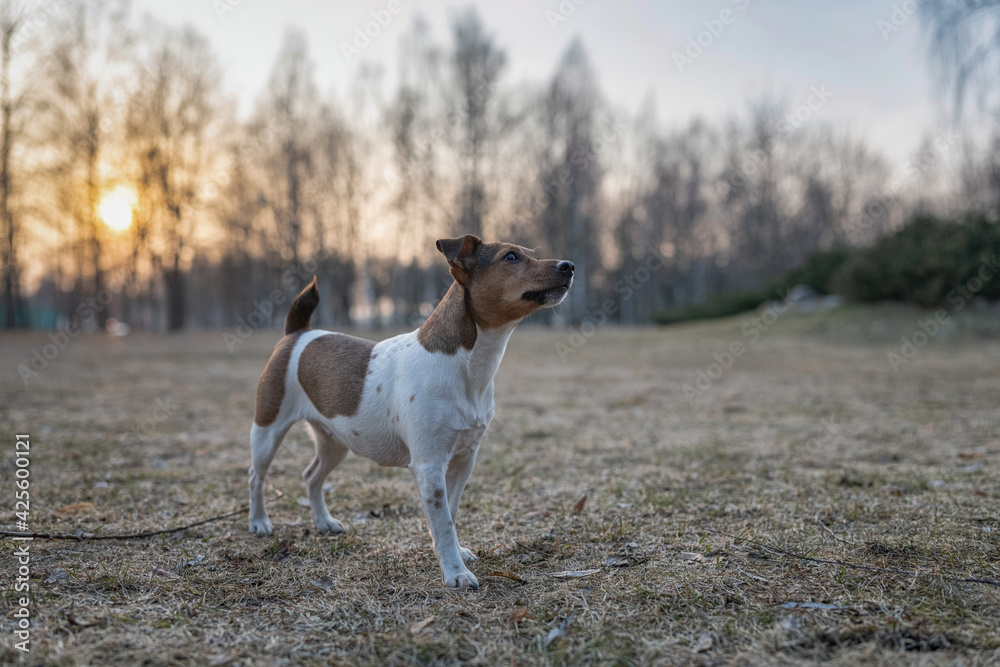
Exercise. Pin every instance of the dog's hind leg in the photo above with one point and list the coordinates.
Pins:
(329, 454)
(264, 443)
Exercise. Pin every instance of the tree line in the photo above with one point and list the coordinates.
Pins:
(97, 104)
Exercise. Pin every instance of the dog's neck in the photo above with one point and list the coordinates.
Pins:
(452, 327)
(486, 357)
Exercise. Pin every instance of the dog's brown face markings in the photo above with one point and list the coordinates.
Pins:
(509, 283)
(271, 387)
(332, 371)
(495, 284)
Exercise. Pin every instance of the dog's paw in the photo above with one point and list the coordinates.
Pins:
(261, 526)
(463, 579)
(329, 525)
(467, 555)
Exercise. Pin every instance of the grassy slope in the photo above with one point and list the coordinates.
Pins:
(809, 442)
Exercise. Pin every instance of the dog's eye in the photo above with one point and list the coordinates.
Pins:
(510, 257)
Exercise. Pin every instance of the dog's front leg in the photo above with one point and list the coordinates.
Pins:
(434, 497)
(458, 474)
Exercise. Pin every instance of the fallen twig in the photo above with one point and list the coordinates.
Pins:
(832, 534)
(131, 536)
(505, 573)
(853, 566)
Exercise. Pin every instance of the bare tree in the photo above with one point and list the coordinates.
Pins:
(416, 121)
(87, 69)
(477, 64)
(360, 191)
(837, 176)
(171, 123)
(754, 199)
(965, 53)
(337, 229)
(677, 207)
(357, 184)
(571, 170)
(12, 106)
(291, 97)
(965, 48)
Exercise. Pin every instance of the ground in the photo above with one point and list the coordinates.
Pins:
(809, 442)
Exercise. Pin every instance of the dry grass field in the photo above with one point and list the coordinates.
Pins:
(808, 443)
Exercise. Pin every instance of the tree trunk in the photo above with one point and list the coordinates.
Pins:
(176, 306)
(11, 289)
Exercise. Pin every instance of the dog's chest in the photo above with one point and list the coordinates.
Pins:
(418, 390)
(466, 442)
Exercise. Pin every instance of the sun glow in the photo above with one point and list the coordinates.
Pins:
(116, 208)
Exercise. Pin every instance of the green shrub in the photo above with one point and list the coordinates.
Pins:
(929, 262)
(817, 271)
(720, 305)
(923, 263)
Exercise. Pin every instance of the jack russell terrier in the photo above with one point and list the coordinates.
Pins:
(422, 400)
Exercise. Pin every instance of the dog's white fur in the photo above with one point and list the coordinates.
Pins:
(427, 411)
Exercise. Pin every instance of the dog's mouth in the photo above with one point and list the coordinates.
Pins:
(549, 296)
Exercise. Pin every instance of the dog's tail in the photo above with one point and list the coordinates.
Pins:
(300, 314)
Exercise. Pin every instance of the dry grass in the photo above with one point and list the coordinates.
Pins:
(810, 443)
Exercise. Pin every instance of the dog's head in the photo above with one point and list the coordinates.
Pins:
(505, 282)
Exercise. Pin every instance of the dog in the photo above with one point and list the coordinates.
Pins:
(422, 400)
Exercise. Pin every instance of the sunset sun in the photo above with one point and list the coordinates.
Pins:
(116, 207)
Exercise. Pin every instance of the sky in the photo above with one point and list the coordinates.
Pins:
(864, 79)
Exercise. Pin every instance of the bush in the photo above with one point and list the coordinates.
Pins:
(924, 263)
(720, 305)
(817, 272)
(929, 262)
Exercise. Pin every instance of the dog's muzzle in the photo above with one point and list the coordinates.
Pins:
(552, 296)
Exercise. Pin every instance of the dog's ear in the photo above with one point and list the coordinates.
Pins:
(460, 252)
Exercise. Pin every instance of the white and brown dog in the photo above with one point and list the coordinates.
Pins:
(422, 400)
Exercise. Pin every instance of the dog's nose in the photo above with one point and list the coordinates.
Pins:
(565, 267)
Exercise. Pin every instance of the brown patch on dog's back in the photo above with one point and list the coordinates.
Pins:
(271, 386)
(332, 369)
